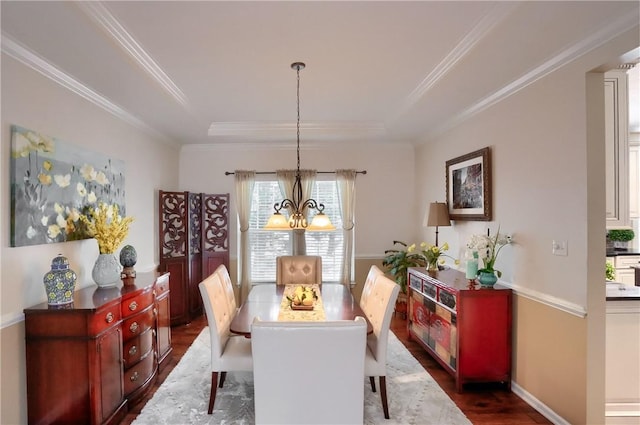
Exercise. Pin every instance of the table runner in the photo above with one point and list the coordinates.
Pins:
(289, 315)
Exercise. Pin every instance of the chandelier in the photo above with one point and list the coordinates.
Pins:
(295, 205)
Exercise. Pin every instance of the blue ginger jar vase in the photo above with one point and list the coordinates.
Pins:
(60, 282)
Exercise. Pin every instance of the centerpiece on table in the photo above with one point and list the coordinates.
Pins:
(488, 247)
(303, 298)
(109, 229)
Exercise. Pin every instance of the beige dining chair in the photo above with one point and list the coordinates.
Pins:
(227, 284)
(227, 354)
(374, 272)
(317, 379)
(298, 270)
(379, 305)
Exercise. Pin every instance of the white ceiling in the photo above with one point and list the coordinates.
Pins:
(219, 72)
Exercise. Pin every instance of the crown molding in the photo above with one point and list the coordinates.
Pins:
(326, 131)
(568, 55)
(31, 60)
(101, 16)
(265, 145)
(473, 37)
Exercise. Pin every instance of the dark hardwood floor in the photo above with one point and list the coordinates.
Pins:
(482, 404)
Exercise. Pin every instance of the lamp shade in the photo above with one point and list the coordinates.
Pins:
(321, 222)
(438, 215)
(277, 222)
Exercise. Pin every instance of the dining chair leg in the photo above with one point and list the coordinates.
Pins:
(223, 375)
(383, 396)
(214, 388)
(373, 383)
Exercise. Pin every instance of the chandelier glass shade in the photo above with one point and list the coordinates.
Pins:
(295, 205)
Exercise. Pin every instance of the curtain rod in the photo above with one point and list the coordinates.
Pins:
(229, 173)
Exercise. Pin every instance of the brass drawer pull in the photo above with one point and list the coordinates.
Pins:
(134, 377)
(109, 317)
(133, 306)
(134, 327)
(133, 350)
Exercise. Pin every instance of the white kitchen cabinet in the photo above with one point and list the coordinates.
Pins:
(624, 268)
(634, 176)
(622, 368)
(617, 148)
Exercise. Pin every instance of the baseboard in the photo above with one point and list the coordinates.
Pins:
(622, 413)
(542, 408)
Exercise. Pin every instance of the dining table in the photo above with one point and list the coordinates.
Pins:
(267, 302)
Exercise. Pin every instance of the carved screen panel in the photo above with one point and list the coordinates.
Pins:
(173, 224)
(215, 212)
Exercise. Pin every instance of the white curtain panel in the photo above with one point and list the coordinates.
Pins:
(347, 193)
(245, 181)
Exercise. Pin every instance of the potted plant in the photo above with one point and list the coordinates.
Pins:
(488, 247)
(610, 272)
(620, 237)
(397, 261)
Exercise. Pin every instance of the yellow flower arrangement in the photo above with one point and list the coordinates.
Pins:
(434, 255)
(107, 226)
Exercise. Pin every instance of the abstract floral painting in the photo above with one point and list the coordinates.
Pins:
(53, 182)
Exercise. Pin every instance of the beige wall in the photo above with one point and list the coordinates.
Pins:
(549, 360)
(547, 150)
(33, 101)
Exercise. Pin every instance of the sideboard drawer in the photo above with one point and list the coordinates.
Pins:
(137, 347)
(138, 324)
(105, 318)
(162, 285)
(415, 282)
(430, 290)
(136, 304)
(139, 374)
(447, 298)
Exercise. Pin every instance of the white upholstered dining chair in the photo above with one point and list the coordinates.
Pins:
(227, 284)
(374, 272)
(378, 307)
(227, 354)
(316, 378)
(298, 269)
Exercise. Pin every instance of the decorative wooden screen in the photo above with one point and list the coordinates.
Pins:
(194, 241)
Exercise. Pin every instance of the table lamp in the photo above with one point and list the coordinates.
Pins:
(438, 215)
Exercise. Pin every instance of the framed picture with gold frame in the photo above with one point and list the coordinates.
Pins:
(468, 179)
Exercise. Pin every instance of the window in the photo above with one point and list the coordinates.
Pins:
(266, 245)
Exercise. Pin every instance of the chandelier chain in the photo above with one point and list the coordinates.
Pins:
(298, 122)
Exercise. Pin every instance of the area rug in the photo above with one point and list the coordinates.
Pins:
(414, 397)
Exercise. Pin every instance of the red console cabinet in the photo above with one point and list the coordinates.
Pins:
(466, 329)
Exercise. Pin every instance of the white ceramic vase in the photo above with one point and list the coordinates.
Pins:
(106, 271)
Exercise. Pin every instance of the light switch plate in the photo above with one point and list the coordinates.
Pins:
(560, 248)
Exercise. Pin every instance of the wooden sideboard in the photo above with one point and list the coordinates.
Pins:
(87, 361)
(467, 330)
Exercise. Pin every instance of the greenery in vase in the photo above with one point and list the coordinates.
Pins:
(107, 226)
(621, 235)
(434, 255)
(610, 271)
(398, 260)
(488, 247)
